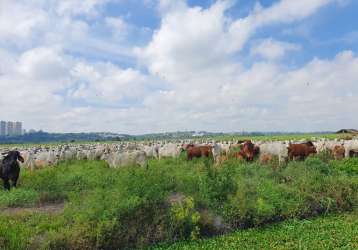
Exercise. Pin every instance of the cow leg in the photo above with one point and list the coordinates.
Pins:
(15, 176)
(14, 180)
(6, 184)
(290, 157)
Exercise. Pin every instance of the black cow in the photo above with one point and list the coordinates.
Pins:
(10, 169)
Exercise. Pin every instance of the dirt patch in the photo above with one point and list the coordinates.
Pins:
(50, 208)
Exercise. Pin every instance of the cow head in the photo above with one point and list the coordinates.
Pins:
(187, 146)
(14, 155)
(312, 150)
(309, 143)
(248, 150)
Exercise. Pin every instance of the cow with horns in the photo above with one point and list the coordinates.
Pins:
(10, 169)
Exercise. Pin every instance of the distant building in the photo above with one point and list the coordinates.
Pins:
(18, 128)
(3, 130)
(10, 128)
(198, 134)
(347, 131)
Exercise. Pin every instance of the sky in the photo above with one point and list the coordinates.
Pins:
(144, 66)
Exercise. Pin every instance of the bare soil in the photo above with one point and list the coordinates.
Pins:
(49, 208)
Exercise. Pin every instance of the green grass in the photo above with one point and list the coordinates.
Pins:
(128, 207)
(349, 166)
(18, 198)
(326, 232)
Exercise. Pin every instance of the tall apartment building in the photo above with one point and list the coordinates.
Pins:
(3, 130)
(10, 128)
(18, 128)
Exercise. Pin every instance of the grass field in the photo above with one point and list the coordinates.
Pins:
(86, 205)
(326, 232)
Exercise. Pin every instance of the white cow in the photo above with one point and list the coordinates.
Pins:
(350, 145)
(276, 149)
(152, 151)
(218, 150)
(169, 150)
(120, 159)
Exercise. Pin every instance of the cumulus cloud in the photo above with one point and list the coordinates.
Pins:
(193, 50)
(19, 21)
(273, 50)
(183, 46)
(192, 74)
(108, 84)
(191, 39)
(79, 7)
(117, 25)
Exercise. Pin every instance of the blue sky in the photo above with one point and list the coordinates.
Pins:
(332, 29)
(163, 65)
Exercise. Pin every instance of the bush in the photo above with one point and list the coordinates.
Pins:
(317, 164)
(349, 166)
(184, 220)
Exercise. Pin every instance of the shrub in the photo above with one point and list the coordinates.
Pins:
(349, 166)
(317, 164)
(184, 220)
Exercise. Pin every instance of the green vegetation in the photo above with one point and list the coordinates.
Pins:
(327, 232)
(173, 200)
(349, 166)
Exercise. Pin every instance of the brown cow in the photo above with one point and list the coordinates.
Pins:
(247, 151)
(265, 158)
(239, 155)
(198, 151)
(300, 151)
(256, 150)
(309, 143)
(338, 152)
(221, 159)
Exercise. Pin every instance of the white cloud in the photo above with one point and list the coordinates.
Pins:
(193, 51)
(118, 26)
(62, 76)
(19, 21)
(194, 39)
(183, 45)
(282, 12)
(171, 5)
(44, 85)
(79, 7)
(105, 83)
(43, 64)
(289, 11)
(273, 50)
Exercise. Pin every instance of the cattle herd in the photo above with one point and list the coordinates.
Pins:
(138, 153)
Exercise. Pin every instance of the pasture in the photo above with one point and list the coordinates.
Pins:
(87, 205)
(339, 231)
